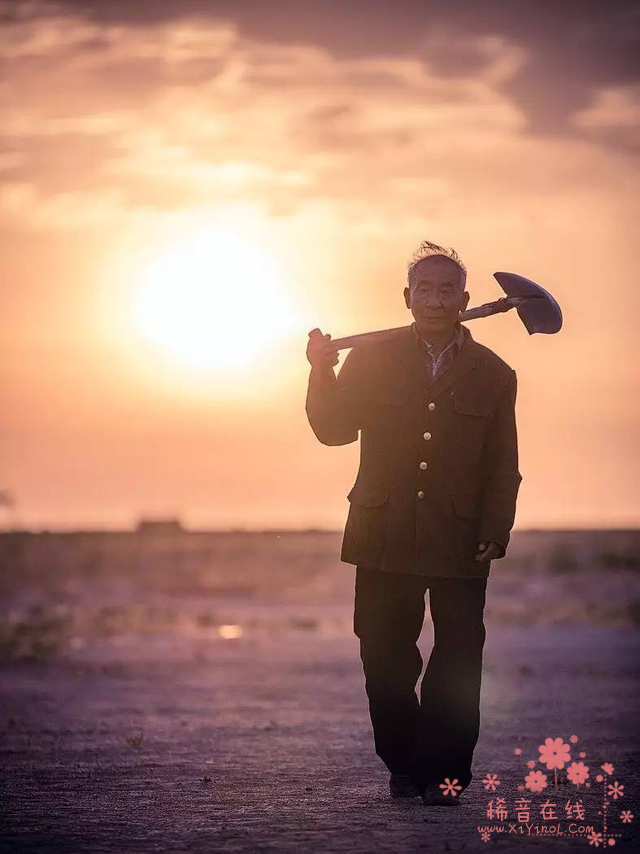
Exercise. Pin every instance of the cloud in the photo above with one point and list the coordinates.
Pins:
(613, 117)
(571, 49)
(60, 211)
(175, 114)
(126, 118)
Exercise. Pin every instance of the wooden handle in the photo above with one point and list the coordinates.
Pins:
(486, 310)
(378, 335)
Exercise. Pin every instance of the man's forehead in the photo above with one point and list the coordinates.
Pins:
(425, 269)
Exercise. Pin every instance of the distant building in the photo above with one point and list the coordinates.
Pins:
(159, 526)
(8, 507)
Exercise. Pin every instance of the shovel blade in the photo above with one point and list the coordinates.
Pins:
(540, 313)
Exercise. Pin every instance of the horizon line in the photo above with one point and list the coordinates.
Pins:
(180, 529)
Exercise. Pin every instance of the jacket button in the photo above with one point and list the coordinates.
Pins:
(423, 466)
(431, 406)
(421, 494)
(426, 436)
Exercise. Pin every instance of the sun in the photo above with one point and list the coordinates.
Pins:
(213, 300)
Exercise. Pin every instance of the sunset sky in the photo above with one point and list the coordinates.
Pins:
(188, 188)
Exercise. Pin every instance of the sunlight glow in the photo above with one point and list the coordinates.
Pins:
(231, 632)
(214, 300)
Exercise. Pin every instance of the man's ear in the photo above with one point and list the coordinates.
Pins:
(466, 296)
(407, 300)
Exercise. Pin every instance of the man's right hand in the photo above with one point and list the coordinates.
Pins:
(322, 353)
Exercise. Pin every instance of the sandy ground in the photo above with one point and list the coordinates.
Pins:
(131, 720)
(165, 742)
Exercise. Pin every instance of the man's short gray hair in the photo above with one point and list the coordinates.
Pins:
(429, 250)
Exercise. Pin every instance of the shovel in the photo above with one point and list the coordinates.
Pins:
(536, 308)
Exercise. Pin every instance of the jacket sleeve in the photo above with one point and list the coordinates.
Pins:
(500, 470)
(334, 405)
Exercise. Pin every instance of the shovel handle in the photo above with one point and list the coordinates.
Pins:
(495, 307)
(485, 310)
(379, 335)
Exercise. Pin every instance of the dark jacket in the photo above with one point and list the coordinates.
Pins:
(438, 458)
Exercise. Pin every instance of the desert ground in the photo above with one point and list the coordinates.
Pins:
(203, 692)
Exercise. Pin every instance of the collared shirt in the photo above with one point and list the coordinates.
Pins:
(437, 365)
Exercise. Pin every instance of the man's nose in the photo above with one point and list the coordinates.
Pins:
(433, 300)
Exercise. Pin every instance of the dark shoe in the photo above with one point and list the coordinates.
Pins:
(434, 796)
(402, 786)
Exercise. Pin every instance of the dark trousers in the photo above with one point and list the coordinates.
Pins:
(433, 737)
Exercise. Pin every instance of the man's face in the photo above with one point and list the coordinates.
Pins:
(437, 295)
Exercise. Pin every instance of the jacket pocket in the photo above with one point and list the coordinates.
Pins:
(395, 397)
(368, 495)
(471, 406)
(365, 532)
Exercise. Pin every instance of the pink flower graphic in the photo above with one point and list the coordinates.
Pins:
(491, 781)
(594, 838)
(608, 767)
(554, 753)
(577, 772)
(626, 816)
(599, 778)
(517, 751)
(536, 781)
(573, 739)
(485, 836)
(582, 754)
(616, 791)
(531, 764)
(450, 788)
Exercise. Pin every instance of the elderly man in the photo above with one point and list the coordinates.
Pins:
(432, 505)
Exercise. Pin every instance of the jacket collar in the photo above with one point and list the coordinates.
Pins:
(410, 372)
(456, 339)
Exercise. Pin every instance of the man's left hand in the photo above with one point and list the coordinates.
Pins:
(488, 552)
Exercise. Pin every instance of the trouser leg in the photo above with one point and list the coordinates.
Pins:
(449, 721)
(389, 612)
